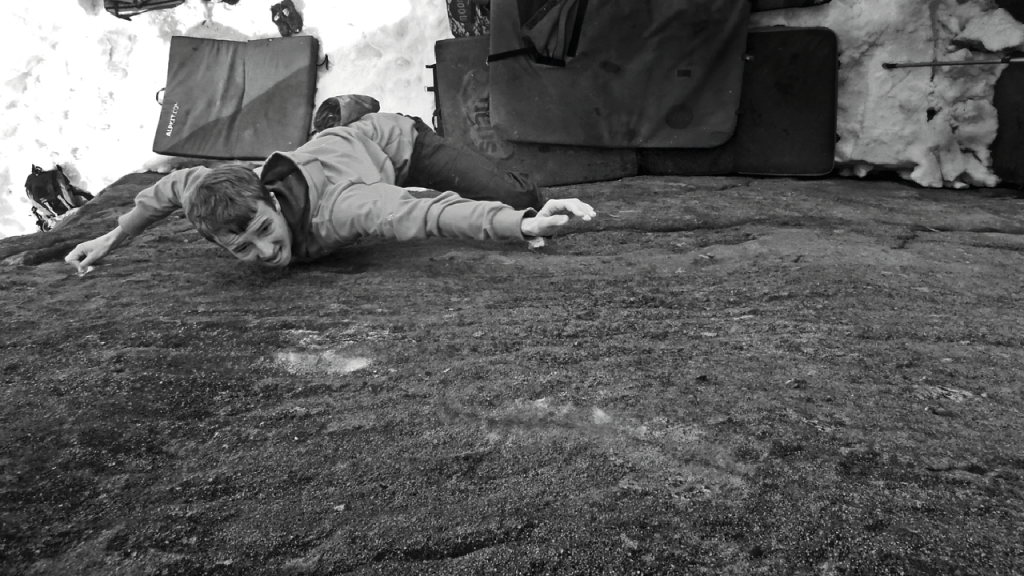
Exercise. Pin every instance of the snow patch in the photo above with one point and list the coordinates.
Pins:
(329, 361)
(996, 31)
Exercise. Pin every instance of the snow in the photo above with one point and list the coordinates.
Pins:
(995, 30)
(78, 85)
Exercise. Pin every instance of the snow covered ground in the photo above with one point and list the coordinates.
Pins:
(78, 85)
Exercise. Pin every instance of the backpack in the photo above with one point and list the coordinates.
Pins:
(469, 17)
(343, 110)
(287, 18)
(52, 196)
(125, 9)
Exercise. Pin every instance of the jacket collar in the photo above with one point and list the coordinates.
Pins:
(285, 180)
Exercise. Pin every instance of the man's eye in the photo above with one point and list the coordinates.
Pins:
(264, 229)
(241, 249)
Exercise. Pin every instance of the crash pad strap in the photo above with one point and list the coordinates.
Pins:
(530, 49)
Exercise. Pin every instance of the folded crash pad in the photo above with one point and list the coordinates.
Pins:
(463, 107)
(787, 112)
(237, 100)
(617, 74)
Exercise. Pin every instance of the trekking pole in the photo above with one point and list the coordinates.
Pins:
(1003, 60)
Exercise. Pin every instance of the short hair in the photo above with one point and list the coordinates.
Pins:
(224, 200)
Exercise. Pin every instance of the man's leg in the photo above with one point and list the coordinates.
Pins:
(442, 165)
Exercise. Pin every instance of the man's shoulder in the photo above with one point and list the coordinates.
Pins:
(378, 122)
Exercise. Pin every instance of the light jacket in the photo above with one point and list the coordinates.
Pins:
(342, 185)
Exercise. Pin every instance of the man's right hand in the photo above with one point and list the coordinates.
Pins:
(555, 214)
(91, 252)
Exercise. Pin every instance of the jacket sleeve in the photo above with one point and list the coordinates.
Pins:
(160, 200)
(391, 212)
(394, 134)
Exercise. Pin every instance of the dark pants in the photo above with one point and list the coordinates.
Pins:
(442, 165)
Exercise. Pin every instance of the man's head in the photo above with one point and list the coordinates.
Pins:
(231, 207)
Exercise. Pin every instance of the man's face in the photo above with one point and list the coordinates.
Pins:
(267, 241)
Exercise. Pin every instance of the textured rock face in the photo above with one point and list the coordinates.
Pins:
(717, 375)
(932, 124)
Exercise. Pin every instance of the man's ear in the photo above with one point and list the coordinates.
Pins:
(273, 200)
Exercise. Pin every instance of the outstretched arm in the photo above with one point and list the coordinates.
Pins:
(151, 205)
(387, 211)
(391, 212)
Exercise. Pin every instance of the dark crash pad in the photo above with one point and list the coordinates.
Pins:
(227, 100)
(617, 75)
(462, 96)
(787, 113)
(1007, 155)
